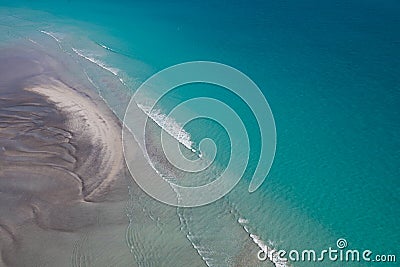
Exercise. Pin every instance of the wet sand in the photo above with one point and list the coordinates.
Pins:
(63, 186)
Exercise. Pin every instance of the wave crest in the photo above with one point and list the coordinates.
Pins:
(169, 125)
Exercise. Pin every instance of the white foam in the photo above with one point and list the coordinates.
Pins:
(269, 250)
(30, 40)
(106, 47)
(90, 58)
(279, 262)
(52, 35)
(243, 221)
(169, 125)
(99, 63)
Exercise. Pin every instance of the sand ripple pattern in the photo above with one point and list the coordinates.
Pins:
(60, 155)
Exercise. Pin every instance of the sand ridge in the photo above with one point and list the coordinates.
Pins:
(87, 121)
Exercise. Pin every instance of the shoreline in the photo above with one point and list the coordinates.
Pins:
(63, 180)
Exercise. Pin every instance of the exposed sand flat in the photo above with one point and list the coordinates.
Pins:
(63, 186)
(88, 122)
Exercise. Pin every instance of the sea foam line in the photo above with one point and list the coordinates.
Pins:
(169, 125)
(268, 250)
(51, 35)
(114, 71)
(102, 65)
(106, 47)
(36, 43)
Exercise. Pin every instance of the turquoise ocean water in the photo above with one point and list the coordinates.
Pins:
(330, 72)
